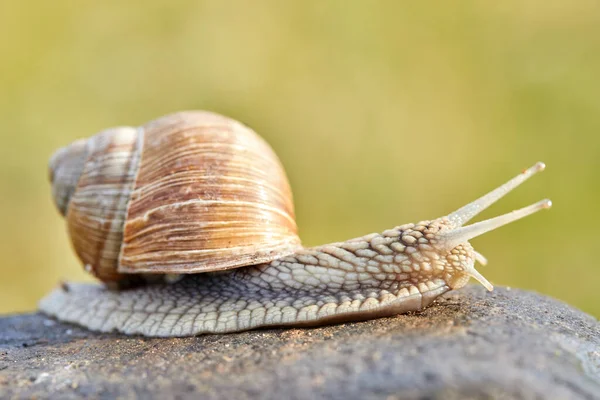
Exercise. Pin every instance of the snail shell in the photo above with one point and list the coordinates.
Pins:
(189, 192)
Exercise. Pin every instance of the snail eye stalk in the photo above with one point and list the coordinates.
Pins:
(451, 239)
(464, 214)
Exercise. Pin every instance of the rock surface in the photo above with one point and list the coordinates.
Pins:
(469, 344)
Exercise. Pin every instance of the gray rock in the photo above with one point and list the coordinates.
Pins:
(470, 344)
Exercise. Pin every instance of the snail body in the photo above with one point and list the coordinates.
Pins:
(189, 222)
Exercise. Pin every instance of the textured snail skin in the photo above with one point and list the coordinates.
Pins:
(372, 276)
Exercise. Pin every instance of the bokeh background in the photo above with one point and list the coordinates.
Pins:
(383, 112)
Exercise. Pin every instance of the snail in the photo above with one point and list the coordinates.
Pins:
(189, 223)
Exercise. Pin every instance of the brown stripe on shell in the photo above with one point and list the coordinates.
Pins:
(210, 195)
(98, 207)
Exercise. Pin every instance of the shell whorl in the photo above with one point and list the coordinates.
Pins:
(65, 167)
(92, 180)
(188, 192)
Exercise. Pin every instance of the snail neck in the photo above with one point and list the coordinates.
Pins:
(402, 257)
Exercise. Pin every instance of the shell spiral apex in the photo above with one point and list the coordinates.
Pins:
(189, 222)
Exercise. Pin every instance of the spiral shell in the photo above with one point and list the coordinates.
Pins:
(189, 192)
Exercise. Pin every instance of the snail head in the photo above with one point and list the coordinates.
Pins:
(445, 241)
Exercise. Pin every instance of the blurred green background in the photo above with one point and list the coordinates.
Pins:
(383, 112)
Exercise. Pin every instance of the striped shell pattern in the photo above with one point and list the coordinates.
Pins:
(189, 192)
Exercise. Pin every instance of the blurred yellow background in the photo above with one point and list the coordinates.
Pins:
(383, 112)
